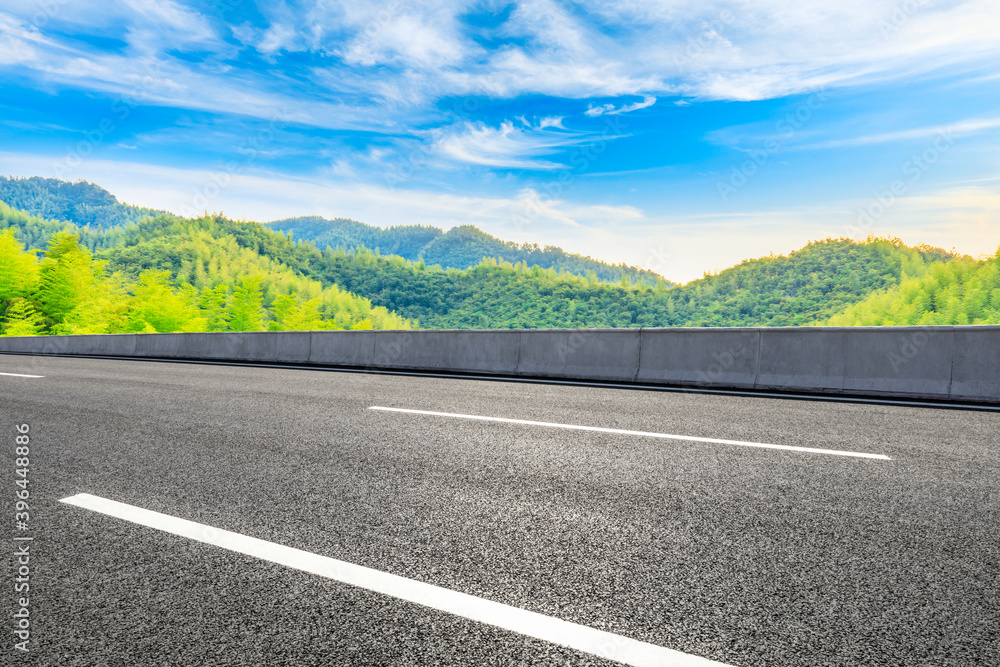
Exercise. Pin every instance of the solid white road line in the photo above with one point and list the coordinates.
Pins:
(646, 434)
(579, 637)
(19, 375)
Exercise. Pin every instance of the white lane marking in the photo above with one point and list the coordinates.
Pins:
(19, 375)
(646, 434)
(579, 637)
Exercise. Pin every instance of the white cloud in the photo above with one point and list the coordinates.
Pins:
(551, 28)
(506, 146)
(277, 37)
(407, 40)
(717, 49)
(512, 72)
(20, 41)
(610, 110)
(948, 132)
(597, 111)
(647, 101)
(14, 51)
(402, 58)
(152, 79)
(168, 19)
(423, 37)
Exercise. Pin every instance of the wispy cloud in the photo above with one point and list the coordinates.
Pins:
(611, 110)
(962, 128)
(416, 54)
(157, 24)
(506, 146)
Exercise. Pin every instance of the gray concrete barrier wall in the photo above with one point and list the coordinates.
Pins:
(975, 368)
(113, 345)
(580, 354)
(700, 357)
(911, 362)
(901, 362)
(944, 363)
(344, 348)
(291, 347)
(464, 351)
(793, 361)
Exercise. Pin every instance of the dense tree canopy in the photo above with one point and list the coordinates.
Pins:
(34, 232)
(805, 287)
(81, 203)
(66, 290)
(962, 291)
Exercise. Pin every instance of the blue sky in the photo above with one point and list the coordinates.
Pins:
(679, 136)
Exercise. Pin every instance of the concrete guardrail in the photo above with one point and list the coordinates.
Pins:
(941, 363)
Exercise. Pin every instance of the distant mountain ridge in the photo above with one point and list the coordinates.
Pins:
(82, 203)
(403, 240)
(87, 205)
(460, 247)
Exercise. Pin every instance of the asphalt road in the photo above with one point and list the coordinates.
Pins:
(743, 555)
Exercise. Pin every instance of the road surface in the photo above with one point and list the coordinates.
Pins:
(792, 533)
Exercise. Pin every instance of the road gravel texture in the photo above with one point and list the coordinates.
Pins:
(746, 556)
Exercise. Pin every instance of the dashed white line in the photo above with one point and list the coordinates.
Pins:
(20, 375)
(645, 434)
(580, 637)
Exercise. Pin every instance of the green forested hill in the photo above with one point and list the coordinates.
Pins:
(489, 295)
(494, 295)
(963, 291)
(82, 203)
(461, 247)
(805, 287)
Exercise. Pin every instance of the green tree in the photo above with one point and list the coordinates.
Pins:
(290, 315)
(157, 307)
(21, 319)
(18, 268)
(962, 291)
(246, 308)
(213, 305)
(102, 310)
(67, 274)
